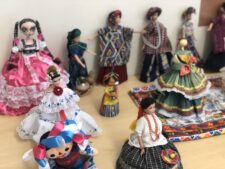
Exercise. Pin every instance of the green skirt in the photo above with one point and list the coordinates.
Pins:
(193, 85)
(172, 103)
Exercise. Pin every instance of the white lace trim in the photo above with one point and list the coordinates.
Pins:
(190, 97)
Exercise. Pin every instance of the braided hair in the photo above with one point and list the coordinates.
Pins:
(71, 35)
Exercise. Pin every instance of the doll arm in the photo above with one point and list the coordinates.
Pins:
(79, 61)
(90, 52)
(139, 129)
(142, 147)
(210, 26)
(93, 36)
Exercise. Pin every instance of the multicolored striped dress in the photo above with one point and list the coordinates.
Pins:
(182, 88)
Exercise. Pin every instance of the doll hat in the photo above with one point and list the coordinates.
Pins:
(112, 16)
(152, 11)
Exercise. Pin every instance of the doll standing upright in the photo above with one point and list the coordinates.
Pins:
(216, 60)
(114, 44)
(157, 47)
(24, 77)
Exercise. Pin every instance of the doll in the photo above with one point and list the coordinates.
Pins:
(77, 65)
(110, 101)
(157, 47)
(188, 30)
(114, 44)
(24, 78)
(216, 61)
(57, 98)
(147, 147)
(64, 147)
(182, 88)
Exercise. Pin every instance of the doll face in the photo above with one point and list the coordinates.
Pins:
(56, 81)
(150, 109)
(111, 82)
(118, 20)
(59, 152)
(183, 43)
(28, 29)
(188, 17)
(155, 16)
(76, 39)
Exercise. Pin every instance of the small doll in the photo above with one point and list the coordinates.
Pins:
(77, 65)
(157, 47)
(110, 101)
(64, 147)
(216, 60)
(182, 88)
(57, 98)
(147, 147)
(188, 30)
(114, 45)
(24, 77)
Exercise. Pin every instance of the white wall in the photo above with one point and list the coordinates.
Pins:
(57, 17)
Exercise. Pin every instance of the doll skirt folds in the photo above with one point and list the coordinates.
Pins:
(23, 86)
(130, 158)
(109, 110)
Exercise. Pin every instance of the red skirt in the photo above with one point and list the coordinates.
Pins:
(120, 70)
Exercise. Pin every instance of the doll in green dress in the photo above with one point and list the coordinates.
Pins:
(183, 87)
(110, 101)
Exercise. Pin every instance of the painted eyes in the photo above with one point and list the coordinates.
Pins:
(25, 30)
(52, 155)
(67, 149)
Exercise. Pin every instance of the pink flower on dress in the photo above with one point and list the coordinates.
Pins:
(16, 41)
(40, 37)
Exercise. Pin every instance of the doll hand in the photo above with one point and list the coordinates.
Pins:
(15, 49)
(142, 151)
(83, 65)
(95, 151)
(42, 44)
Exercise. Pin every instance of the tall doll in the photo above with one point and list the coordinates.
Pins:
(110, 100)
(188, 30)
(216, 61)
(24, 77)
(157, 47)
(147, 147)
(77, 65)
(114, 44)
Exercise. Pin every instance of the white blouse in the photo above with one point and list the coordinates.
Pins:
(142, 130)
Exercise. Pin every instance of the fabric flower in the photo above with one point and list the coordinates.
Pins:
(185, 69)
(58, 91)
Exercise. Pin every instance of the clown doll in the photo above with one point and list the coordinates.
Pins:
(157, 47)
(77, 65)
(24, 77)
(64, 147)
(147, 147)
(57, 98)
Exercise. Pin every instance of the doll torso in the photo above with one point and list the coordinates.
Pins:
(77, 49)
(110, 100)
(114, 45)
(188, 28)
(156, 40)
(29, 49)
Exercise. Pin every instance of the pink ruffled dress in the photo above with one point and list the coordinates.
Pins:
(23, 86)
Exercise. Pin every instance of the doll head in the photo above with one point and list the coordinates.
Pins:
(54, 75)
(147, 106)
(58, 143)
(153, 13)
(187, 15)
(183, 43)
(111, 79)
(222, 9)
(74, 35)
(114, 17)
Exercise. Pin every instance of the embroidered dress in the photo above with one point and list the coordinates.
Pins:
(157, 52)
(41, 118)
(23, 86)
(130, 156)
(182, 88)
(188, 29)
(110, 104)
(75, 69)
(216, 60)
(114, 44)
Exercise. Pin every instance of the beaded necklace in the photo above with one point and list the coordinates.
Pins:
(150, 128)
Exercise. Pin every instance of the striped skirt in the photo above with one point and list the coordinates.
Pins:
(130, 158)
(109, 110)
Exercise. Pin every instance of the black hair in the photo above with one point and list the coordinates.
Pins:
(188, 11)
(71, 35)
(26, 20)
(38, 27)
(146, 102)
(16, 30)
(44, 136)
